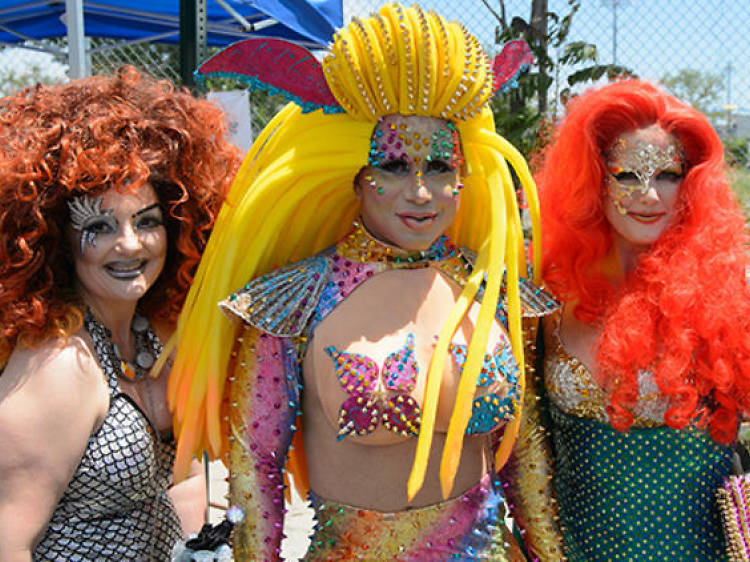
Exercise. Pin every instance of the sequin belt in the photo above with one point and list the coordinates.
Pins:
(648, 494)
(468, 527)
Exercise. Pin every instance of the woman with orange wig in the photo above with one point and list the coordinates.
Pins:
(646, 368)
(108, 189)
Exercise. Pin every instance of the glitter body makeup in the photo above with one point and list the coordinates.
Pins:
(410, 189)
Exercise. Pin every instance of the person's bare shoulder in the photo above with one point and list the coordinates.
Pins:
(50, 385)
(52, 399)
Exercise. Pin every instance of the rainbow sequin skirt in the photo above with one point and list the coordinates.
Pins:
(469, 527)
(648, 494)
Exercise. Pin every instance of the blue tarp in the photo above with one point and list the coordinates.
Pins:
(308, 22)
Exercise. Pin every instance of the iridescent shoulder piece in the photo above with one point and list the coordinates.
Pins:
(281, 302)
(535, 301)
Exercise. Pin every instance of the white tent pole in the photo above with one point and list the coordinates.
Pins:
(246, 25)
(76, 38)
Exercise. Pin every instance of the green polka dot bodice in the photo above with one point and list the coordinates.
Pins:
(648, 494)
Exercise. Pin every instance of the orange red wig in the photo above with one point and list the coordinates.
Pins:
(684, 312)
(85, 137)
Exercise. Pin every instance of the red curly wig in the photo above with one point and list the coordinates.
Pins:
(86, 137)
(684, 312)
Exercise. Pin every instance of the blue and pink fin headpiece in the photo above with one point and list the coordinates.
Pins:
(412, 78)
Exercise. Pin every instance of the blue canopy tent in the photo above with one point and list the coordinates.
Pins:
(212, 22)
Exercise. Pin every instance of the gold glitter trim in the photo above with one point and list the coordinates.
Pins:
(244, 480)
(573, 388)
(531, 493)
(732, 501)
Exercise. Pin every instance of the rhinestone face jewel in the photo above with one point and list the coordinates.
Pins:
(392, 141)
(633, 166)
(84, 213)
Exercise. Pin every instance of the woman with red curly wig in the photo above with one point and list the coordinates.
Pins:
(108, 190)
(646, 367)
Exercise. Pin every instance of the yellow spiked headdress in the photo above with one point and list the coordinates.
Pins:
(410, 62)
(293, 197)
(402, 60)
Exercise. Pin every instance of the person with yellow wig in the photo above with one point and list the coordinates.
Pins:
(368, 343)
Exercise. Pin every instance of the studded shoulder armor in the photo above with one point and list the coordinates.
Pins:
(535, 300)
(281, 302)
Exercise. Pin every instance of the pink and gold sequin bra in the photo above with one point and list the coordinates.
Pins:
(385, 396)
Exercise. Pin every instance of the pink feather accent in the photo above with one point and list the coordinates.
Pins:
(274, 64)
(512, 60)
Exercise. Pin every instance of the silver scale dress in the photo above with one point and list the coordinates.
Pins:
(116, 506)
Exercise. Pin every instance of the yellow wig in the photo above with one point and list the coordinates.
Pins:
(293, 197)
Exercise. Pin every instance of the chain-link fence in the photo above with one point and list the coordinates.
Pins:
(27, 65)
(700, 49)
(158, 59)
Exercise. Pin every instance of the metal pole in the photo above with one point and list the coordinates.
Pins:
(729, 83)
(730, 107)
(207, 475)
(192, 37)
(539, 30)
(76, 38)
(614, 32)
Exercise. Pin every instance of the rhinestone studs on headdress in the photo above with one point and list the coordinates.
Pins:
(408, 61)
(402, 60)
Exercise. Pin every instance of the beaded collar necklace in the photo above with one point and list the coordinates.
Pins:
(147, 348)
(361, 246)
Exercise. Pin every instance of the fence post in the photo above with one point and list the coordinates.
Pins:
(192, 37)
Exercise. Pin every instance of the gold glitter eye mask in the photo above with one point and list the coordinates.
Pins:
(643, 161)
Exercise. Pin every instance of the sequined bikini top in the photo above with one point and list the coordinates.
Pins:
(377, 395)
(384, 395)
(571, 386)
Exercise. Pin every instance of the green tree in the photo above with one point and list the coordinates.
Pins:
(696, 87)
(736, 152)
(521, 113)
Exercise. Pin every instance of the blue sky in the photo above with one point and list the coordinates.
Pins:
(654, 37)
